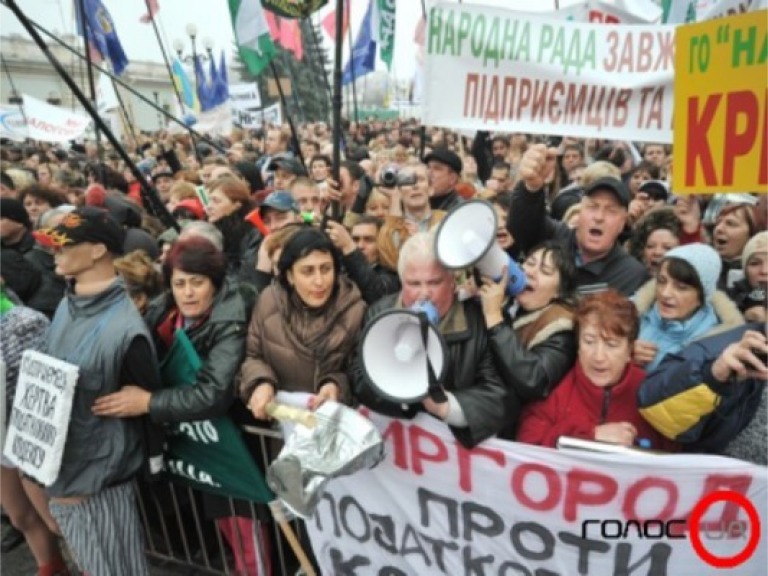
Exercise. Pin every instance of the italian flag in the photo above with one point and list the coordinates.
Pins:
(251, 34)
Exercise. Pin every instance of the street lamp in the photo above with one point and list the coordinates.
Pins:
(178, 46)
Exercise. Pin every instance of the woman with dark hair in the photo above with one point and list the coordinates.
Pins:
(303, 328)
(655, 234)
(533, 345)
(204, 304)
(228, 205)
(597, 399)
(38, 199)
(681, 304)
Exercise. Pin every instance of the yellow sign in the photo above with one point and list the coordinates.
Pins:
(721, 114)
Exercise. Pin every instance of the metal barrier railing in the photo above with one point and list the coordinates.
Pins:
(239, 541)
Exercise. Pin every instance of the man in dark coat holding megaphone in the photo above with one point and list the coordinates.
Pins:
(464, 389)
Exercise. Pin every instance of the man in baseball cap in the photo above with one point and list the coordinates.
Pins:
(85, 225)
(445, 169)
(285, 169)
(98, 328)
(279, 209)
(601, 261)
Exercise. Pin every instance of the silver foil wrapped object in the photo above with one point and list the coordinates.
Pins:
(342, 443)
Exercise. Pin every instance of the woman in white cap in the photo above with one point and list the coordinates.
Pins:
(682, 304)
(749, 293)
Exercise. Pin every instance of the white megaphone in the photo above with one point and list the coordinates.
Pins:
(399, 348)
(467, 237)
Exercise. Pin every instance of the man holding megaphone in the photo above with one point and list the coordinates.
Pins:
(423, 349)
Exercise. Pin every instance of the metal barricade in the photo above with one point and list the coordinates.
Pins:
(178, 534)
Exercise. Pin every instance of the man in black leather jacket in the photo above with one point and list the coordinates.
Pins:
(476, 406)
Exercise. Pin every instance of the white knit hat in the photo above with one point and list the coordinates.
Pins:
(704, 260)
(758, 243)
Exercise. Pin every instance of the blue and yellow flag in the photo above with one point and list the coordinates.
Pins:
(184, 86)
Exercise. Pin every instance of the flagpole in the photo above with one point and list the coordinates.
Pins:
(351, 67)
(423, 128)
(170, 76)
(150, 197)
(335, 168)
(13, 88)
(294, 135)
(124, 111)
(130, 89)
(328, 92)
(86, 33)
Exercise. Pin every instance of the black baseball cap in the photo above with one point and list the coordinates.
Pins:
(445, 156)
(611, 185)
(85, 224)
(656, 189)
(287, 163)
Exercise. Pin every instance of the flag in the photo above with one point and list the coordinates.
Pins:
(286, 32)
(329, 23)
(290, 37)
(204, 87)
(106, 96)
(153, 7)
(384, 29)
(184, 86)
(363, 51)
(293, 8)
(223, 79)
(102, 35)
(218, 82)
(251, 34)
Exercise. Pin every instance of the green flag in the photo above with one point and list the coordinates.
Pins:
(384, 28)
(207, 454)
(251, 34)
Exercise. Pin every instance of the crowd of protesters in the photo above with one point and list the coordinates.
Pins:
(642, 323)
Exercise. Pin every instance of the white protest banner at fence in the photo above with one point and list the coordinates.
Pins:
(39, 420)
(52, 123)
(434, 507)
(494, 69)
(244, 96)
(12, 123)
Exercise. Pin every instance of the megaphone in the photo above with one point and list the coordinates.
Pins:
(398, 349)
(467, 237)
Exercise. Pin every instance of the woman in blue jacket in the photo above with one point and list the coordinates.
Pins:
(682, 304)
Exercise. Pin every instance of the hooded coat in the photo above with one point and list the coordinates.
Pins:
(720, 314)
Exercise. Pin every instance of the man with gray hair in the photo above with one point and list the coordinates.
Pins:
(478, 405)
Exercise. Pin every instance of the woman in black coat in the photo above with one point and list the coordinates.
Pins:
(531, 337)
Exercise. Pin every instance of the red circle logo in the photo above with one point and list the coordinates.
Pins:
(695, 529)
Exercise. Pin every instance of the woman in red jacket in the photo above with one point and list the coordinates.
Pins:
(597, 399)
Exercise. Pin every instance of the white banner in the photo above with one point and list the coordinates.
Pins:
(244, 96)
(216, 122)
(257, 117)
(52, 123)
(523, 73)
(12, 123)
(434, 507)
(39, 421)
